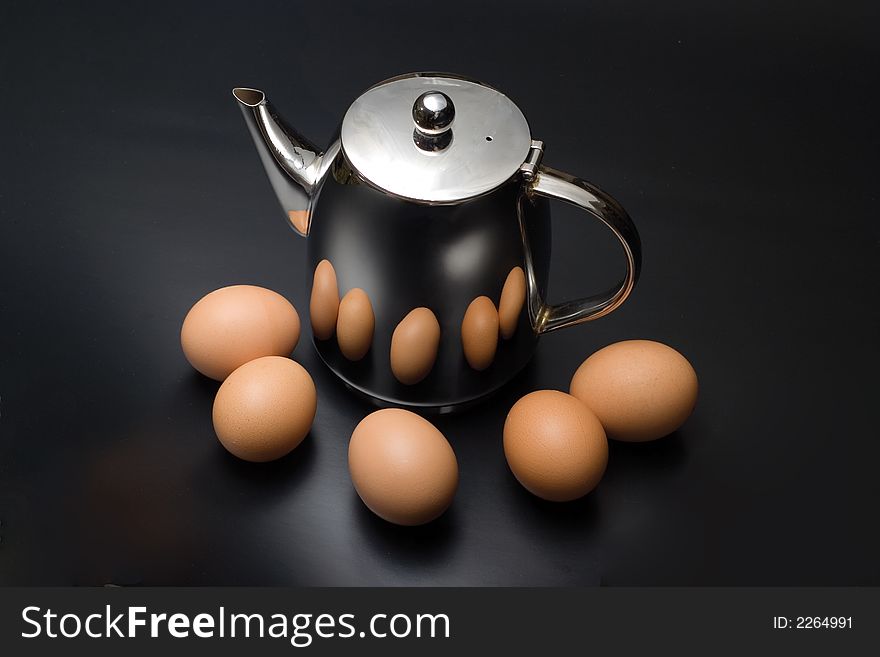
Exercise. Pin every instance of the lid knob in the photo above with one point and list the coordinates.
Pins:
(433, 114)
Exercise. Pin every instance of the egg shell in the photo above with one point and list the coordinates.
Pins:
(402, 467)
(414, 345)
(513, 297)
(265, 408)
(479, 333)
(639, 389)
(555, 446)
(355, 324)
(236, 324)
(324, 302)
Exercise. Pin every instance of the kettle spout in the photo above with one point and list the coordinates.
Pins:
(292, 162)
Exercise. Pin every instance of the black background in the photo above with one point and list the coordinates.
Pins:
(741, 137)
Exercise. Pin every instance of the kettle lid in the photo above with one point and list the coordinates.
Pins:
(435, 137)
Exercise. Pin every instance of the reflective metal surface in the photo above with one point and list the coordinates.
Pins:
(552, 183)
(293, 164)
(433, 114)
(407, 255)
(490, 140)
(432, 194)
(529, 168)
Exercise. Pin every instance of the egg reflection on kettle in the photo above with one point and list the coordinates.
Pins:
(324, 303)
(479, 333)
(513, 297)
(414, 345)
(355, 324)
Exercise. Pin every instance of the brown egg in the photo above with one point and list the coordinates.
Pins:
(513, 296)
(479, 333)
(265, 408)
(355, 325)
(232, 325)
(640, 390)
(555, 446)
(414, 345)
(402, 467)
(324, 304)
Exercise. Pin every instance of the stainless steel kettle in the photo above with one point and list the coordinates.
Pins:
(431, 195)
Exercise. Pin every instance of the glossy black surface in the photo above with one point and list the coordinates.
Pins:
(408, 255)
(742, 138)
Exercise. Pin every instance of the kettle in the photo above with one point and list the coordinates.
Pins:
(434, 194)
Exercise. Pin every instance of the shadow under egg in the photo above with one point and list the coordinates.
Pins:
(555, 520)
(197, 385)
(272, 478)
(419, 545)
(653, 457)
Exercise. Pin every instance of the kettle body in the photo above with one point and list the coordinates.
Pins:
(433, 196)
(409, 255)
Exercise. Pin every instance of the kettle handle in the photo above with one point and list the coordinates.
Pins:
(555, 184)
